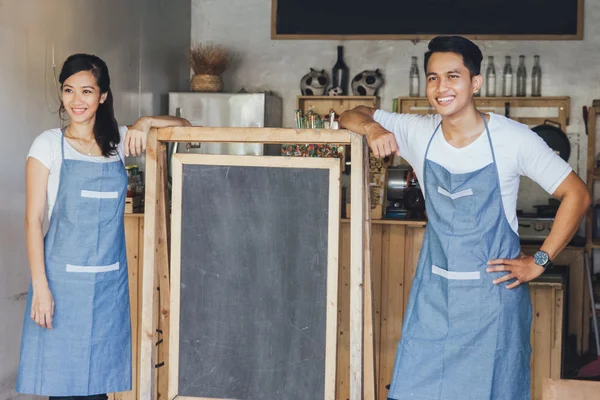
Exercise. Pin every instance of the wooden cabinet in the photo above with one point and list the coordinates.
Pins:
(396, 246)
(577, 293)
(547, 300)
(322, 104)
(395, 252)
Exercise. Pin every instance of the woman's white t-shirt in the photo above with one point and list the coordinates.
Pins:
(518, 150)
(46, 149)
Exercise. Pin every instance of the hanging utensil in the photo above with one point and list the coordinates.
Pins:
(585, 119)
(555, 138)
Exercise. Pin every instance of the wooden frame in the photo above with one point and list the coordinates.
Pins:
(156, 241)
(564, 389)
(417, 37)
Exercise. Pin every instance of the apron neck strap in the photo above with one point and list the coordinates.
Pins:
(431, 139)
(487, 130)
(492, 150)
(62, 143)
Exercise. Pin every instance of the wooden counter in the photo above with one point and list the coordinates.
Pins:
(396, 246)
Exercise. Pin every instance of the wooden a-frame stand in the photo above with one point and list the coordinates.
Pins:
(156, 258)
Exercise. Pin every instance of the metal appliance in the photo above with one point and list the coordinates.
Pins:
(259, 110)
(533, 228)
(404, 197)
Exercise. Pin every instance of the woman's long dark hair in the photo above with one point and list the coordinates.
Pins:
(106, 130)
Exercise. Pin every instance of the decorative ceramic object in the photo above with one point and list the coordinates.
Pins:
(314, 83)
(367, 83)
(335, 91)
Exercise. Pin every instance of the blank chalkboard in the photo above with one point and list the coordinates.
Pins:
(253, 280)
(414, 19)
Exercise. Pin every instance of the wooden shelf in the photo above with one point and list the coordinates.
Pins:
(322, 104)
(365, 98)
(531, 111)
(134, 215)
(501, 98)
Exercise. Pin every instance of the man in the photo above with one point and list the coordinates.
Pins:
(467, 323)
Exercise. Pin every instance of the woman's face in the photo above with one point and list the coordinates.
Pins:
(81, 97)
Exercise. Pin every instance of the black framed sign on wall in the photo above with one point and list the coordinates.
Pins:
(424, 19)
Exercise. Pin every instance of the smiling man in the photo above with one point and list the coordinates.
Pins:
(467, 323)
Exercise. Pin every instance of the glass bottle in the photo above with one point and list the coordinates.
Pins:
(521, 78)
(490, 78)
(536, 77)
(507, 78)
(340, 72)
(414, 78)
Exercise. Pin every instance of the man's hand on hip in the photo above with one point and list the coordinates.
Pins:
(523, 269)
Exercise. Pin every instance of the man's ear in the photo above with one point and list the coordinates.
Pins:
(477, 83)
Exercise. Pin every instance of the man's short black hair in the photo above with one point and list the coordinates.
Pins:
(468, 50)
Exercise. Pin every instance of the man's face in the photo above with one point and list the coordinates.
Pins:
(449, 85)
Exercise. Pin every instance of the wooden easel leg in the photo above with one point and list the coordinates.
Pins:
(357, 228)
(163, 279)
(369, 390)
(152, 227)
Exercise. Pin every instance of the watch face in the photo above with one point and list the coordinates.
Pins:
(540, 258)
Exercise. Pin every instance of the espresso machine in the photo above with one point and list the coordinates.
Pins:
(404, 197)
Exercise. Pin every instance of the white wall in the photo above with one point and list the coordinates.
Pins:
(143, 43)
(570, 68)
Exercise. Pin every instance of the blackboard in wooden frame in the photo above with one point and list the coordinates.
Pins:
(156, 262)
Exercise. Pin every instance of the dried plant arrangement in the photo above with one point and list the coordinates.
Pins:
(208, 63)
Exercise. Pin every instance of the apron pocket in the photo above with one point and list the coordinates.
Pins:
(463, 202)
(465, 308)
(465, 300)
(455, 275)
(92, 194)
(93, 268)
(97, 207)
(455, 195)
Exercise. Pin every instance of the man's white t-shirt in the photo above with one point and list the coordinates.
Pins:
(46, 149)
(518, 150)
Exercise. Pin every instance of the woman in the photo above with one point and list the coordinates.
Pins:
(76, 340)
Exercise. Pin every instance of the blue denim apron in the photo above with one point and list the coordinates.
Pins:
(464, 337)
(88, 351)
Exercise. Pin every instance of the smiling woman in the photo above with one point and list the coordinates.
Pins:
(76, 333)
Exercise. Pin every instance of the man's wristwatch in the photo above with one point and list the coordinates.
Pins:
(542, 259)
